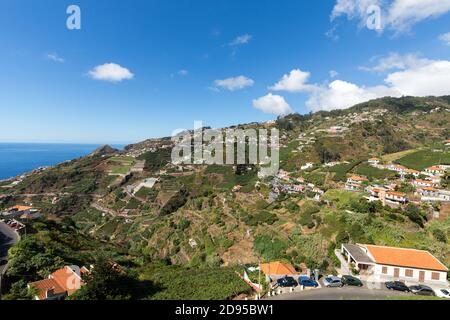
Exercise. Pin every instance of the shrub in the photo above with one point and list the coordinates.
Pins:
(414, 214)
(440, 235)
(259, 218)
(270, 248)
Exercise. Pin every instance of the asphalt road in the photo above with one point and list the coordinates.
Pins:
(345, 293)
(8, 237)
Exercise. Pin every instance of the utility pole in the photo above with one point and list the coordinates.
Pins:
(259, 274)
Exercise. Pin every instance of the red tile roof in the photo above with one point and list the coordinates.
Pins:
(64, 280)
(401, 257)
(45, 285)
(277, 268)
(358, 178)
(396, 193)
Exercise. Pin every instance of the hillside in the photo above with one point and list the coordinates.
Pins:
(138, 205)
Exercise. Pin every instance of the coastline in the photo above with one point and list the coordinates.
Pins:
(17, 159)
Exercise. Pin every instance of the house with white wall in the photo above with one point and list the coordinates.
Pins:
(381, 263)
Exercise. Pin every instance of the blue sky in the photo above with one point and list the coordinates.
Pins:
(219, 61)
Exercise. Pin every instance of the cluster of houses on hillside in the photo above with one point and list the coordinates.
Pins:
(427, 184)
(21, 212)
(12, 182)
(284, 183)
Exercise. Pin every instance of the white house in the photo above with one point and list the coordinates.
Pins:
(406, 172)
(354, 183)
(307, 166)
(397, 197)
(380, 263)
(435, 170)
(374, 161)
(423, 183)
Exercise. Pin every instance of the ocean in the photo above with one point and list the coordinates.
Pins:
(18, 158)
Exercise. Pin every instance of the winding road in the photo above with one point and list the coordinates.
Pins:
(8, 237)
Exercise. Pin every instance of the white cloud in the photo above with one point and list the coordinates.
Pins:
(55, 57)
(395, 61)
(240, 40)
(295, 81)
(398, 15)
(432, 79)
(111, 72)
(333, 73)
(233, 84)
(340, 94)
(183, 72)
(272, 104)
(403, 14)
(445, 38)
(414, 77)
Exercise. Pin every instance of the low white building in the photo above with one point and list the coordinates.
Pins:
(355, 183)
(396, 197)
(435, 170)
(374, 161)
(380, 263)
(307, 166)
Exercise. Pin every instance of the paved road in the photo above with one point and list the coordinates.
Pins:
(346, 293)
(8, 237)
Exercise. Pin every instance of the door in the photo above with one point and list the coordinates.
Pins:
(421, 276)
(396, 272)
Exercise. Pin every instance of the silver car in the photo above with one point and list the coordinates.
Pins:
(332, 281)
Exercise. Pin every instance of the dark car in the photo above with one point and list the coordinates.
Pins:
(307, 282)
(286, 282)
(422, 290)
(351, 281)
(397, 286)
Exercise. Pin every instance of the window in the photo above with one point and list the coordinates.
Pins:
(409, 273)
(435, 276)
(384, 270)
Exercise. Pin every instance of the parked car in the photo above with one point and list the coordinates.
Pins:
(351, 281)
(422, 290)
(332, 281)
(287, 282)
(397, 286)
(442, 293)
(307, 282)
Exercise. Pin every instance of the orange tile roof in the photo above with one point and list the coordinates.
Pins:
(411, 171)
(64, 280)
(358, 178)
(435, 168)
(67, 279)
(429, 188)
(21, 208)
(396, 193)
(401, 257)
(47, 284)
(277, 268)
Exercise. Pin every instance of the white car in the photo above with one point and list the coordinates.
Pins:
(442, 293)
